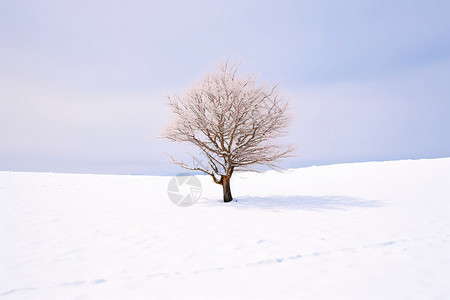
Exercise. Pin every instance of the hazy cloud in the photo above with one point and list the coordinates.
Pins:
(82, 83)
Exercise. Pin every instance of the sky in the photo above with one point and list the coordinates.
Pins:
(83, 83)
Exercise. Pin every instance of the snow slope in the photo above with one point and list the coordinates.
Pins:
(377, 230)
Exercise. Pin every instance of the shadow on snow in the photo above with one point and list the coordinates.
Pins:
(294, 202)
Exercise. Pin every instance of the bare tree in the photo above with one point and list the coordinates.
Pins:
(233, 121)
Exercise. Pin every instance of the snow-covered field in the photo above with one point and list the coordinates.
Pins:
(378, 230)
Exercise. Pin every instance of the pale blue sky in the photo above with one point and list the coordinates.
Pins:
(82, 83)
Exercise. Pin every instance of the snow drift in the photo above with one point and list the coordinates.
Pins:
(377, 230)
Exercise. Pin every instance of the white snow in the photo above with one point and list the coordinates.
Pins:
(377, 230)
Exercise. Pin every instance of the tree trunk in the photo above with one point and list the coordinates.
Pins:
(226, 190)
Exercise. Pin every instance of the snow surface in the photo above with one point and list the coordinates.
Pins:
(377, 230)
